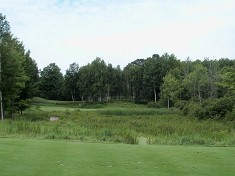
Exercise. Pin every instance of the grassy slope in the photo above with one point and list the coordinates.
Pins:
(53, 105)
(24, 157)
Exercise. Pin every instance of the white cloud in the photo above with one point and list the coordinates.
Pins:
(121, 31)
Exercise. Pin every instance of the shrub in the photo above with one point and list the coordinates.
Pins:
(153, 104)
(215, 108)
(230, 116)
(191, 140)
(140, 101)
(129, 138)
(191, 109)
(180, 104)
(221, 107)
(211, 108)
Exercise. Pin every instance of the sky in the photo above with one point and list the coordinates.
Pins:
(121, 31)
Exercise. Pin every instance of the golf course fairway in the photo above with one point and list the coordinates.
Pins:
(31, 157)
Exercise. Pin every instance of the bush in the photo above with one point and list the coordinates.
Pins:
(211, 108)
(191, 109)
(140, 101)
(129, 138)
(221, 107)
(153, 104)
(181, 104)
(230, 116)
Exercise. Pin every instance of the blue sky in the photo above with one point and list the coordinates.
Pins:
(120, 31)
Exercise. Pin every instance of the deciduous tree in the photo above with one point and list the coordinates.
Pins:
(72, 80)
(51, 82)
(170, 89)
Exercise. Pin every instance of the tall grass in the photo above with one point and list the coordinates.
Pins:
(136, 112)
(158, 126)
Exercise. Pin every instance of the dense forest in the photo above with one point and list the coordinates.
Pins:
(202, 88)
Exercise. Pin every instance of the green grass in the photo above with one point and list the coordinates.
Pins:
(179, 144)
(54, 105)
(136, 111)
(38, 100)
(24, 157)
(50, 108)
(118, 122)
(99, 126)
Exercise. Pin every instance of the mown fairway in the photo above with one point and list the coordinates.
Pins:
(27, 157)
(40, 104)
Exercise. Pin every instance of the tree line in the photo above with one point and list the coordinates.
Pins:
(143, 80)
(157, 80)
(19, 72)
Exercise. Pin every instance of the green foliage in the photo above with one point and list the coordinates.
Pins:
(170, 89)
(180, 104)
(153, 104)
(13, 73)
(4, 26)
(92, 105)
(228, 80)
(230, 116)
(209, 109)
(99, 78)
(143, 80)
(196, 81)
(98, 81)
(51, 82)
(155, 68)
(190, 109)
(133, 74)
(216, 108)
(158, 78)
(71, 82)
(31, 85)
(19, 72)
(115, 123)
(22, 105)
(135, 112)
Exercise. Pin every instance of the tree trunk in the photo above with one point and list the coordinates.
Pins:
(72, 96)
(1, 104)
(82, 98)
(168, 103)
(133, 95)
(194, 91)
(199, 96)
(89, 98)
(108, 93)
(211, 81)
(100, 99)
(12, 109)
(128, 89)
(155, 94)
